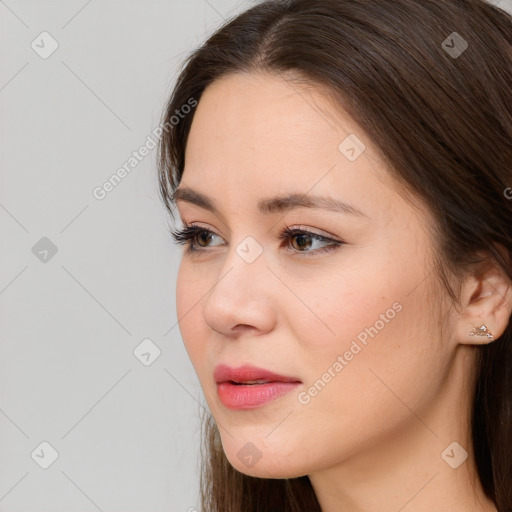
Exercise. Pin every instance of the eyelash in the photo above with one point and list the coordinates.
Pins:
(188, 234)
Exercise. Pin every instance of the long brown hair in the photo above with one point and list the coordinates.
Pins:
(438, 106)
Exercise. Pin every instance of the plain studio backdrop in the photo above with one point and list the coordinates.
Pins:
(99, 403)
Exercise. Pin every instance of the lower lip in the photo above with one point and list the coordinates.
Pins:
(248, 396)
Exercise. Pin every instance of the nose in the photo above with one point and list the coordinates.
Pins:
(242, 298)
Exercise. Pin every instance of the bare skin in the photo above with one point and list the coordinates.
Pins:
(372, 437)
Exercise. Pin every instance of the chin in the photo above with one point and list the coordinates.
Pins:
(273, 469)
(263, 463)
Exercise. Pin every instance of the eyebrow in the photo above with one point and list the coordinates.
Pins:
(271, 205)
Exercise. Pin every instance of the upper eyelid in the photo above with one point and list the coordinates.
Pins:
(300, 228)
(326, 235)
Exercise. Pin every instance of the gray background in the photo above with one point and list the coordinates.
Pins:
(125, 428)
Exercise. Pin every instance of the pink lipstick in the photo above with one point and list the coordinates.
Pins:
(248, 387)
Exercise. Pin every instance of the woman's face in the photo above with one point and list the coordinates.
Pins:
(351, 325)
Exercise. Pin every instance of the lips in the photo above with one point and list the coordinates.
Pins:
(248, 387)
(249, 375)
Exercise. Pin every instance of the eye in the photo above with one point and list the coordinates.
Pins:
(196, 239)
(189, 234)
(305, 239)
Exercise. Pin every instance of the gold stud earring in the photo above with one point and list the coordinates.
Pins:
(482, 331)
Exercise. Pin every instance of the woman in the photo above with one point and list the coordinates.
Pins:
(345, 293)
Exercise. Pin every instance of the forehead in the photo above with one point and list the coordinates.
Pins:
(255, 135)
(267, 115)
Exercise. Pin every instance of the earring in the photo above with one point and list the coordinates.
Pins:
(482, 331)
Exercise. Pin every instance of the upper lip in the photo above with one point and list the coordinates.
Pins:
(246, 373)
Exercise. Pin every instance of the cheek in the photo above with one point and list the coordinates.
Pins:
(343, 305)
(189, 294)
(384, 356)
(367, 299)
(192, 286)
(377, 341)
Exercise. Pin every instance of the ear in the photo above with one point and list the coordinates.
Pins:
(486, 300)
